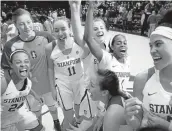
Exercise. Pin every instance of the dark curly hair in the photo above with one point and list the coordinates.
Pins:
(109, 82)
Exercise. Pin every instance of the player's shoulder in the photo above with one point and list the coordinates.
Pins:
(145, 75)
(45, 35)
(142, 78)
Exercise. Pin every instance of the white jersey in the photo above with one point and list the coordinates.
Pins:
(68, 67)
(122, 70)
(156, 100)
(13, 99)
(90, 67)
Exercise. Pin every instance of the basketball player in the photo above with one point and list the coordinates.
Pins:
(65, 64)
(34, 43)
(118, 61)
(88, 108)
(13, 96)
(105, 88)
(154, 95)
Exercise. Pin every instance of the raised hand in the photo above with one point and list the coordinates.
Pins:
(95, 4)
(75, 4)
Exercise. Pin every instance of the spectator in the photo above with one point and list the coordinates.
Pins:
(129, 18)
(144, 24)
(158, 17)
(152, 22)
(124, 18)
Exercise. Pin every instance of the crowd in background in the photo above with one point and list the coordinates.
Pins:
(130, 15)
(127, 16)
(60, 64)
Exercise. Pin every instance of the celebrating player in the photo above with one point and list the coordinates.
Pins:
(13, 96)
(153, 93)
(65, 64)
(34, 43)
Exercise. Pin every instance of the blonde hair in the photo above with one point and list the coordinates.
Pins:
(63, 19)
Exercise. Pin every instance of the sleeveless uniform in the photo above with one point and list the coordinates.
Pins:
(122, 70)
(68, 74)
(156, 100)
(39, 70)
(13, 107)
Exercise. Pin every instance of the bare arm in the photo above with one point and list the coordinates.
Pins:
(111, 123)
(139, 83)
(50, 67)
(76, 22)
(76, 26)
(88, 35)
(47, 26)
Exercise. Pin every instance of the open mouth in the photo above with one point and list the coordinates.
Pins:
(100, 34)
(123, 51)
(23, 72)
(156, 59)
(62, 38)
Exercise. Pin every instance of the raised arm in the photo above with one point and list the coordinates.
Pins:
(76, 22)
(76, 25)
(88, 34)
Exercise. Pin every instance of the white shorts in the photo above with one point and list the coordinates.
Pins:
(34, 105)
(88, 107)
(22, 116)
(69, 93)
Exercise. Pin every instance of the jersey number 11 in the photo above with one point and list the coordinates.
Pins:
(71, 71)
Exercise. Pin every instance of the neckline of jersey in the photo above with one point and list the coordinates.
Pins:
(28, 40)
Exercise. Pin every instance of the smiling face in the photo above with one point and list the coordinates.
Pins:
(99, 31)
(21, 65)
(161, 51)
(119, 46)
(61, 30)
(24, 24)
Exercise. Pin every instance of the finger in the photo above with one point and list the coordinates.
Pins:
(132, 101)
(132, 110)
(149, 123)
(150, 118)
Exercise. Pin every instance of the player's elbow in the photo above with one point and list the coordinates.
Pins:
(87, 39)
